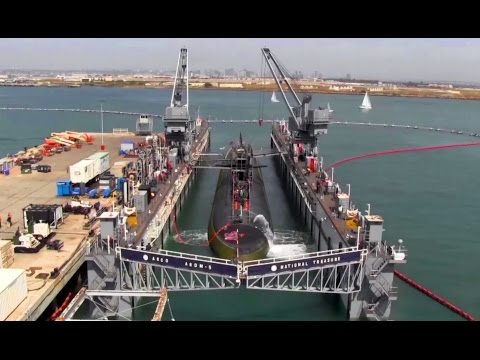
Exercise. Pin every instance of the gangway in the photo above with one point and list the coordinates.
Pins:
(331, 271)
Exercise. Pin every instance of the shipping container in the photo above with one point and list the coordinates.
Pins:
(82, 171)
(51, 214)
(101, 162)
(13, 290)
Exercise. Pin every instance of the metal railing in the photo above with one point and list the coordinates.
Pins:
(120, 131)
(302, 256)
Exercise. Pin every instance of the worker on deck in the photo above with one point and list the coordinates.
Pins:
(9, 219)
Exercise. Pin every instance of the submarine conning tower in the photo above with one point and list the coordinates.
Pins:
(241, 165)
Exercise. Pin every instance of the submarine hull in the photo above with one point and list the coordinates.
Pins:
(253, 243)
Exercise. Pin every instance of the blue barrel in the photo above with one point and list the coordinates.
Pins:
(107, 192)
(6, 171)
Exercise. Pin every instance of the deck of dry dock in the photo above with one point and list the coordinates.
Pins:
(328, 201)
(166, 197)
(19, 190)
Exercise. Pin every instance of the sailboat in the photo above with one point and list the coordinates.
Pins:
(330, 110)
(274, 98)
(366, 104)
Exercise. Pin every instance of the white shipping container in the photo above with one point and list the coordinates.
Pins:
(96, 166)
(13, 290)
(82, 171)
(101, 162)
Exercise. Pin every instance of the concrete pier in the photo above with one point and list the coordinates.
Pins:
(19, 190)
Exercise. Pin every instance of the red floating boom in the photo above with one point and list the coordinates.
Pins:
(434, 296)
(396, 151)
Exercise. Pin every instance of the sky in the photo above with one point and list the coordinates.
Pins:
(382, 59)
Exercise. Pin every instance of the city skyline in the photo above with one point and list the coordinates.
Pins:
(382, 59)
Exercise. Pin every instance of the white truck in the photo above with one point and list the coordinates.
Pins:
(90, 168)
(101, 162)
(82, 171)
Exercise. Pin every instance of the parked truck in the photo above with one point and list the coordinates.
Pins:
(90, 168)
(101, 162)
(82, 171)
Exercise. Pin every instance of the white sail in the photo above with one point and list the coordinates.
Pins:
(366, 102)
(330, 110)
(274, 98)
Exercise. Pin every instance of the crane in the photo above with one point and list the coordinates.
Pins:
(178, 125)
(305, 123)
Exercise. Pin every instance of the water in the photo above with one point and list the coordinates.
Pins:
(428, 199)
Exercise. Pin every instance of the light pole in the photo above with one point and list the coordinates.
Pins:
(238, 281)
(349, 200)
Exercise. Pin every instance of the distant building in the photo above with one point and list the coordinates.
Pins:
(441, 86)
(340, 88)
(231, 85)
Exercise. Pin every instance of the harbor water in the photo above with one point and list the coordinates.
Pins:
(428, 199)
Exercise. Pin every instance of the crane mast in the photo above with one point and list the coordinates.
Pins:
(305, 123)
(181, 80)
(178, 124)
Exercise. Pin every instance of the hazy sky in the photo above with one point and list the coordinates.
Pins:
(385, 59)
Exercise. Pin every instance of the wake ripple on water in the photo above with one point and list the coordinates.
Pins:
(287, 242)
(282, 243)
(192, 237)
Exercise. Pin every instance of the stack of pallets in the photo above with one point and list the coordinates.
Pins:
(6, 253)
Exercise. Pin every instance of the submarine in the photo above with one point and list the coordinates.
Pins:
(240, 221)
